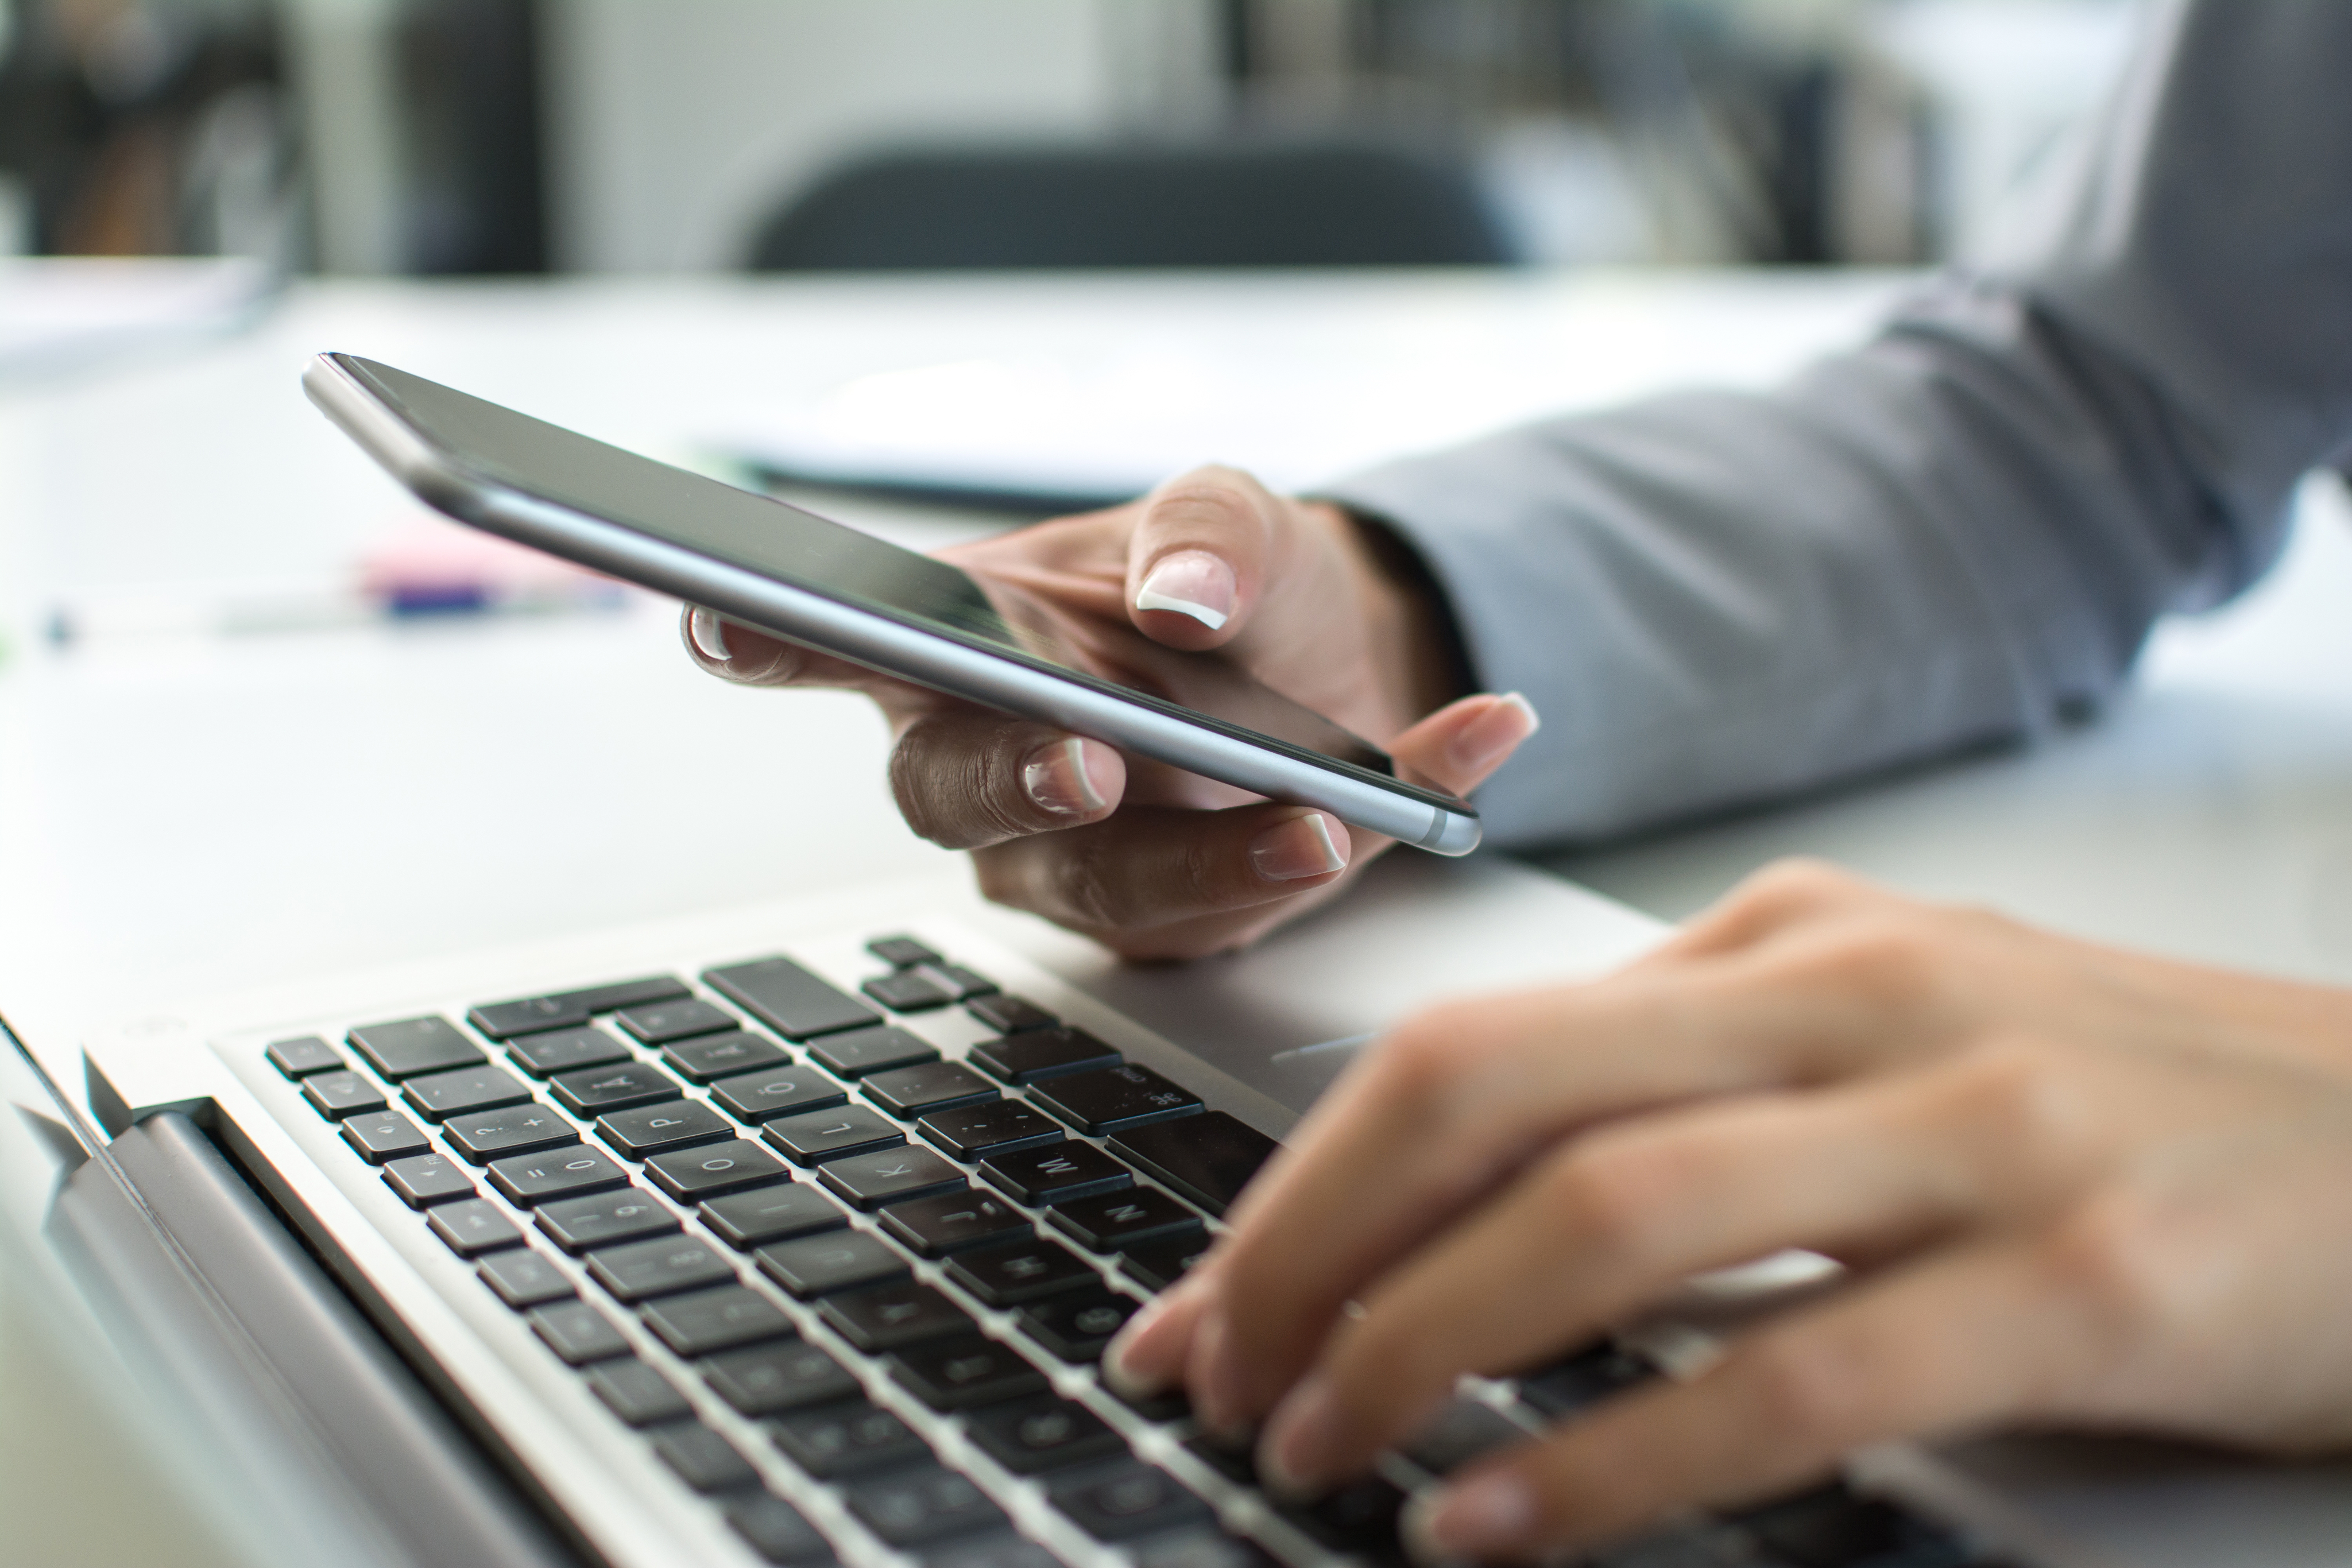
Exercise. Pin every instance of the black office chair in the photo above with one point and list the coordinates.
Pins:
(1211, 204)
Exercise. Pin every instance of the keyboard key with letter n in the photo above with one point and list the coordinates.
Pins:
(1205, 1159)
(789, 999)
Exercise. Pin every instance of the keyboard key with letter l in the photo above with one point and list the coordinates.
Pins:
(655, 1129)
(916, 1506)
(788, 998)
(578, 1333)
(381, 1135)
(407, 1047)
(848, 1441)
(1038, 1054)
(1205, 1159)
(604, 1219)
(503, 1021)
(1129, 1501)
(637, 1269)
(829, 1134)
(1076, 1324)
(965, 1373)
(770, 1379)
(1113, 1099)
(815, 1266)
(1114, 1221)
(483, 1135)
(1056, 1173)
(708, 1322)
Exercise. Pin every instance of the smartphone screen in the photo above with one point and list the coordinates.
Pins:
(781, 541)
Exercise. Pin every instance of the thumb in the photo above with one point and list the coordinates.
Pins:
(1461, 744)
(1197, 560)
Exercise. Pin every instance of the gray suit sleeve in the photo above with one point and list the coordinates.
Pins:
(1962, 531)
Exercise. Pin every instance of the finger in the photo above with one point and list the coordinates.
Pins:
(1617, 1219)
(750, 657)
(1460, 746)
(1150, 866)
(1198, 555)
(1787, 894)
(966, 778)
(1954, 1342)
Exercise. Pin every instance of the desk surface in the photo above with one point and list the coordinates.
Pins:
(186, 815)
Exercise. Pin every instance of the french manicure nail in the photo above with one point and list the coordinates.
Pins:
(1056, 776)
(1507, 722)
(1483, 1518)
(1303, 846)
(1191, 582)
(709, 634)
(1294, 1453)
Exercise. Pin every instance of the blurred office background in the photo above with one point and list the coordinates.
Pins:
(440, 136)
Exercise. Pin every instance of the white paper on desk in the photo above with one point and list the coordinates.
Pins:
(60, 312)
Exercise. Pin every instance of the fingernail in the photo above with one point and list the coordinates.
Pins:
(1484, 1518)
(1216, 1380)
(1504, 725)
(1141, 1363)
(1294, 1456)
(1058, 776)
(1303, 846)
(1191, 582)
(709, 635)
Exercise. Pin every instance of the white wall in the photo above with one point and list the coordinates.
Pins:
(678, 123)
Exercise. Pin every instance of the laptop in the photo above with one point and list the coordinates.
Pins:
(793, 1235)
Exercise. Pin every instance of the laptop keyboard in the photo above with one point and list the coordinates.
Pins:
(897, 1266)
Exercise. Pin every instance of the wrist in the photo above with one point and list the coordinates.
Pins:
(1419, 660)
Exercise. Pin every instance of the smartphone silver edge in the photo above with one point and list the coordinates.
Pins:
(865, 638)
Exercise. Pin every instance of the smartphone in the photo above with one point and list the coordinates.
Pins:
(830, 587)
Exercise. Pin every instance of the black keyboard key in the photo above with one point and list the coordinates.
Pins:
(907, 991)
(1205, 1159)
(437, 1096)
(381, 1135)
(1582, 1379)
(604, 1219)
(788, 998)
(484, 1135)
(978, 1132)
(907, 1092)
(655, 1129)
(1039, 1054)
(1132, 1500)
(561, 1010)
(1010, 1014)
(865, 1051)
(1168, 1405)
(909, 1508)
(300, 1057)
(889, 1176)
(472, 1226)
(565, 1051)
(902, 952)
(708, 1322)
(965, 1373)
(336, 1095)
(959, 982)
(1464, 1430)
(1041, 1435)
(1114, 1221)
(703, 1459)
(635, 1271)
(718, 1055)
(889, 1316)
(1210, 1547)
(1113, 1099)
(691, 1176)
(770, 1379)
(530, 1180)
(991, 1552)
(663, 1022)
(748, 1219)
(828, 1135)
(1156, 1265)
(594, 1092)
(524, 1278)
(848, 1441)
(1057, 1172)
(776, 1530)
(816, 1266)
(638, 1393)
(1076, 1324)
(1237, 1462)
(952, 1221)
(578, 1333)
(1358, 1519)
(1028, 1269)
(757, 1097)
(410, 1046)
(422, 1180)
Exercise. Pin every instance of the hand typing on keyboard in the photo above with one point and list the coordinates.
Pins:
(1151, 860)
(2069, 1185)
